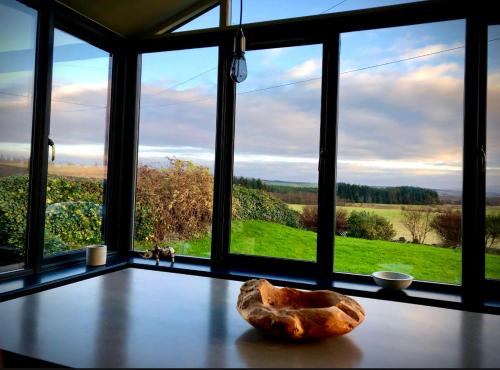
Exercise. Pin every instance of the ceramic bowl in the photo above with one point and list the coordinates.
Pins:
(392, 280)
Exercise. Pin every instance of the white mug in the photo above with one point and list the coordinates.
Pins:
(96, 254)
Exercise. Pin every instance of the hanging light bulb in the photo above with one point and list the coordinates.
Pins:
(239, 64)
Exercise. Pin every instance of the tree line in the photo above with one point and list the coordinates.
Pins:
(345, 192)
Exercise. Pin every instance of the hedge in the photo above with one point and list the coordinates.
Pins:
(73, 213)
(254, 204)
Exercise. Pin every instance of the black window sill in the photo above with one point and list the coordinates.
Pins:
(51, 278)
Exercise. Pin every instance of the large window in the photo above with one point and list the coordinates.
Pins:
(17, 62)
(399, 164)
(174, 194)
(493, 156)
(79, 133)
(276, 153)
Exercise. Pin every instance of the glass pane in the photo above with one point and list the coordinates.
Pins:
(399, 164)
(276, 154)
(17, 63)
(206, 20)
(78, 128)
(177, 151)
(266, 10)
(493, 157)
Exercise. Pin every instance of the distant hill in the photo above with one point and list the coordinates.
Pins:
(290, 184)
(307, 193)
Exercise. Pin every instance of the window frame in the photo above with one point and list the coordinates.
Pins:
(321, 29)
(491, 287)
(326, 29)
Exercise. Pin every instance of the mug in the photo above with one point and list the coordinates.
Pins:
(96, 254)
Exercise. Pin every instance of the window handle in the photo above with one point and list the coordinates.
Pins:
(321, 159)
(53, 151)
(482, 155)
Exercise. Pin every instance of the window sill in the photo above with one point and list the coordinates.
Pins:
(19, 286)
(361, 289)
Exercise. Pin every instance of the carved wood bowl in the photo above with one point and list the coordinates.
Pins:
(297, 314)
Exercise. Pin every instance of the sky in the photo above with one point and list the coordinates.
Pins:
(399, 123)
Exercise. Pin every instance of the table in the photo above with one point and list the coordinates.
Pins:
(142, 318)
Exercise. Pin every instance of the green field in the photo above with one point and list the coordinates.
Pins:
(351, 254)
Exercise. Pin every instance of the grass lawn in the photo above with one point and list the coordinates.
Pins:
(351, 254)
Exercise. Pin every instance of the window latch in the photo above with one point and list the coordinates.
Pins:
(53, 147)
(482, 156)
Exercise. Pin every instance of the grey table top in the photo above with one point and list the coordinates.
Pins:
(142, 318)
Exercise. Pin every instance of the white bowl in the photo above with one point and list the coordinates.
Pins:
(392, 280)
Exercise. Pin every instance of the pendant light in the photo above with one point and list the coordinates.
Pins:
(239, 64)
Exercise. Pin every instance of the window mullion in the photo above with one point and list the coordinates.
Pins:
(473, 204)
(328, 152)
(41, 121)
(223, 174)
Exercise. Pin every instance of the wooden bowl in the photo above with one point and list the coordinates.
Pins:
(297, 314)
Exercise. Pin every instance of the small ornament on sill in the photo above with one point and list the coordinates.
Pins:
(158, 252)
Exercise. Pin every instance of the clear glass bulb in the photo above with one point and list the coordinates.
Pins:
(239, 68)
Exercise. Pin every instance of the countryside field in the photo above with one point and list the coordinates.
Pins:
(256, 237)
(393, 213)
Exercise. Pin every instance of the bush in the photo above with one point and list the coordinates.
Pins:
(341, 224)
(253, 204)
(309, 218)
(53, 244)
(447, 224)
(14, 209)
(173, 203)
(492, 226)
(75, 224)
(368, 225)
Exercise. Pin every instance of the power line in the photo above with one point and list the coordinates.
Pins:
(183, 82)
(332, 7)
(318, 78)
(264, 88)
(57, 100)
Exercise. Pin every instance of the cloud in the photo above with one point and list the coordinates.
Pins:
(435, 50)
(309, 68)
(395, 127)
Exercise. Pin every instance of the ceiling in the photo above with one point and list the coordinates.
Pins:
(139, 19)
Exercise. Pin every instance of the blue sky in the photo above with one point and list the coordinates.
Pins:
(399, 124)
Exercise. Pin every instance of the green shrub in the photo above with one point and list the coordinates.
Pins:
(13, 211)
(254, 204)
(492, 226)
(368, 225)
(53, 244)
(60, 189)
(76, 224)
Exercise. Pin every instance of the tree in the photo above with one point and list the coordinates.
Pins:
(417, 221)
(492, 229)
